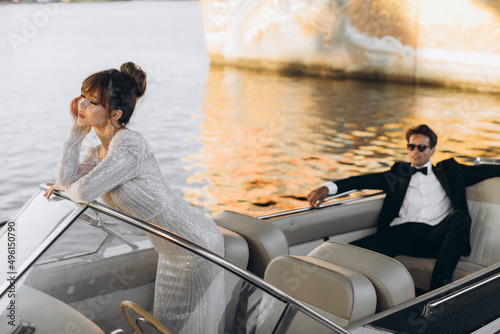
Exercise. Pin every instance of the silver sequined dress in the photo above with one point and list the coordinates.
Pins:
(189, 291)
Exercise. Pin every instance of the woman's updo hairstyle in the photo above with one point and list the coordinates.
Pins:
(118, 89)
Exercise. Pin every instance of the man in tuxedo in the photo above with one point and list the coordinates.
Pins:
(425, 211)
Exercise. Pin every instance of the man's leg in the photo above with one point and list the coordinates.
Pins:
(395, 240)
(447, 242)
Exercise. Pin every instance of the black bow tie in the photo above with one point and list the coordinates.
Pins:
(423, 170)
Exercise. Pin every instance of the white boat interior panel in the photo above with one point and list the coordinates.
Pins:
(323, 223)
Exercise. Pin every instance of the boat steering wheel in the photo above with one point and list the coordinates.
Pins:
(142, 312)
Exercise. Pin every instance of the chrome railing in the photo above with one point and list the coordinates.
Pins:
(430, 307)
(486, 161)
(213, 257)
(325, 204)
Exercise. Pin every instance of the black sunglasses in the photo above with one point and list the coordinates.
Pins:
(420, 147)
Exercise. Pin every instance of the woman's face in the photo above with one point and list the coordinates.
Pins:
(91, 112)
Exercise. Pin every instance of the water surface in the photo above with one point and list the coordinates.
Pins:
(225, 138)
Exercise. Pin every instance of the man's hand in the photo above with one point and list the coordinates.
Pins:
(317, 196)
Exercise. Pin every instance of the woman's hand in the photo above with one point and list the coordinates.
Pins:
(73, 107)
(73, 111)
(49, 192)
(317, 196)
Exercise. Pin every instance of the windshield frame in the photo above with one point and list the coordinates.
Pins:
(291, 304)
(51, 238)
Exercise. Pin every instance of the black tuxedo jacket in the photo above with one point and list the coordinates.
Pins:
(454, 178)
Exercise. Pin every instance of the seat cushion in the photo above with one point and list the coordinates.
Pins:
(392, 281)
(421, 270)
(340, 291)
(483, 200)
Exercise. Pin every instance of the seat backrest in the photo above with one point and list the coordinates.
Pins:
(483, 200)
(484, 206)
(344, 294)
(236, 247)
(392, 281)
(265, 241)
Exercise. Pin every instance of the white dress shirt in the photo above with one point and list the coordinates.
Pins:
(425, 200)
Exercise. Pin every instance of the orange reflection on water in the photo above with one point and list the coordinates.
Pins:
(269, 139)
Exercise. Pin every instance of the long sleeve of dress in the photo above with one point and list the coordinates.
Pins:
(69, 169)
(189, 290)
(91, 179)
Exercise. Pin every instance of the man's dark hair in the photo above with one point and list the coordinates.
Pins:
(423, 129)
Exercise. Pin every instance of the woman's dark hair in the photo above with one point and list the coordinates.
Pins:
(423, 129)
(118, 89)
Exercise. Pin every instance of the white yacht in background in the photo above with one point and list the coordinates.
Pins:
(452, 43)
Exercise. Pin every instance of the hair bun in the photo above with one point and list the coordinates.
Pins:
(137, 74)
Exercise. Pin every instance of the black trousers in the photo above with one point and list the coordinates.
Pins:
(445, 242)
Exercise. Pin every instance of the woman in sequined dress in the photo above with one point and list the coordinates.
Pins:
(189, 291)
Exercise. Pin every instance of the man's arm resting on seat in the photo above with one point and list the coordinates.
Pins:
(368, 181)
(476, 174)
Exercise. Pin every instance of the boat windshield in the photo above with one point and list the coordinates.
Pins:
(95, 258)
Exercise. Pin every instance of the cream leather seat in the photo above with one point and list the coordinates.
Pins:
(483, 200)
(391, 280)
(343, 282)
(265, 241)
(236, 247)
(338, 293)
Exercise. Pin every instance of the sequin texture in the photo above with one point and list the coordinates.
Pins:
(189, 290)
